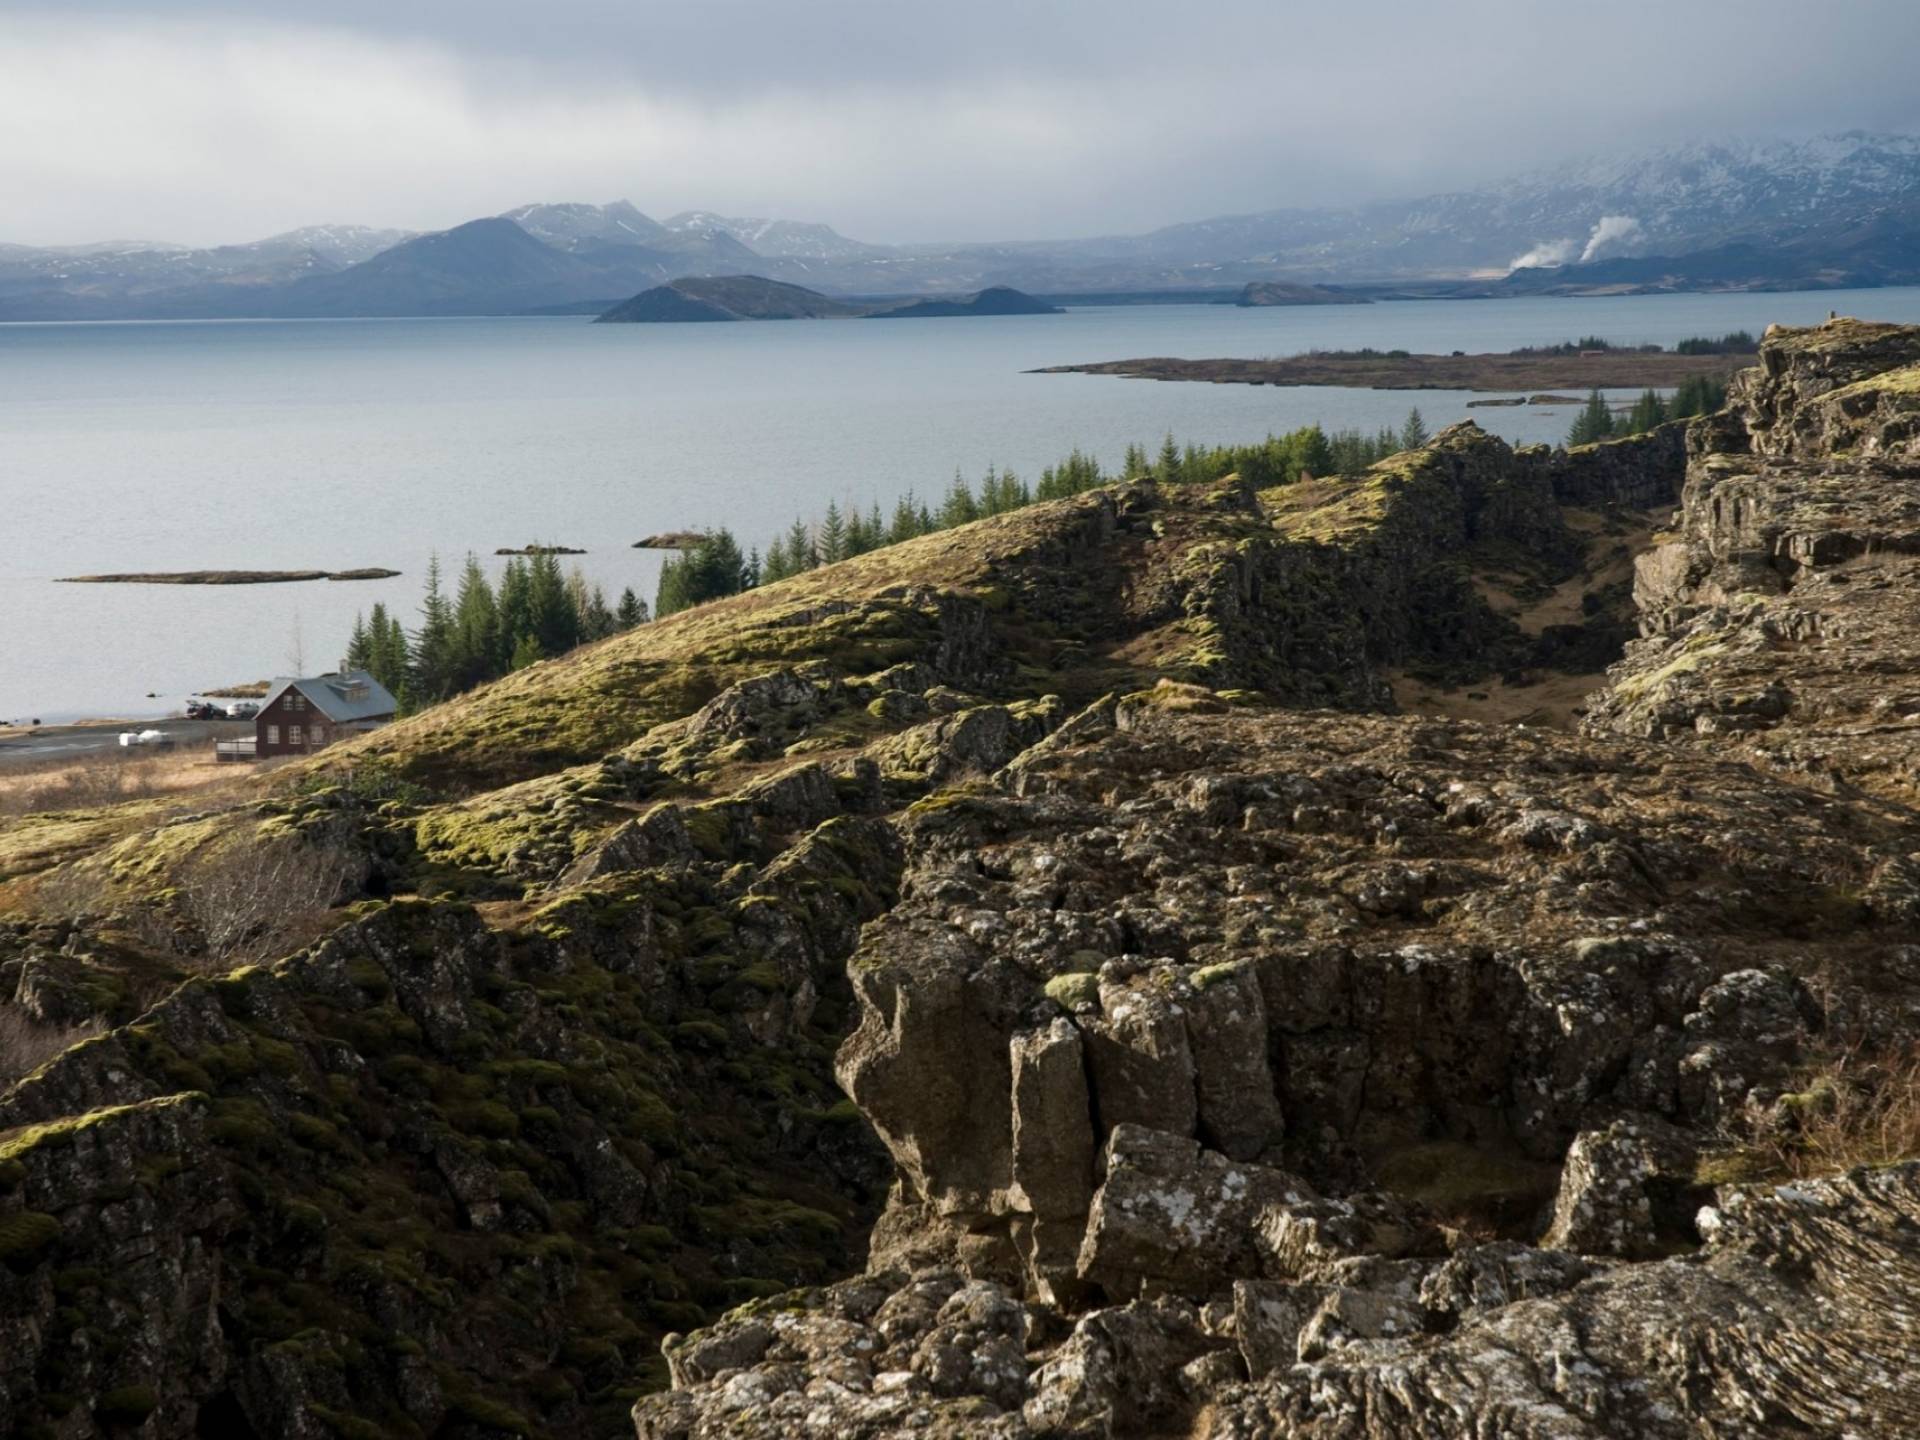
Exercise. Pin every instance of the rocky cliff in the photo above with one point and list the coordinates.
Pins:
(1047, 945)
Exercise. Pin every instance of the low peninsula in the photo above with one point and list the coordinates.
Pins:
(1559, 368)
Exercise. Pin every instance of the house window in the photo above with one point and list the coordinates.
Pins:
(293, 735)
(273, 734)
(318, 734)
(297, 701)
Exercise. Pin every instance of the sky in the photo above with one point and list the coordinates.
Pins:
(208, 121)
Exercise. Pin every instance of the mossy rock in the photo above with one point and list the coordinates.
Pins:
(25, 1237)
(1079, 990)
(126, 1405)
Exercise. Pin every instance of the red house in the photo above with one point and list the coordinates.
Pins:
(299, 717)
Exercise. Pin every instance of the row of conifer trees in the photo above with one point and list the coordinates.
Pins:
(481, 631)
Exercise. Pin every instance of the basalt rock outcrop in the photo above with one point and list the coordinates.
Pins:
(1780, 617)
(1043, 945)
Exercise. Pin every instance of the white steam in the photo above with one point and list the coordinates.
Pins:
(1541, 257)
(1610, 229)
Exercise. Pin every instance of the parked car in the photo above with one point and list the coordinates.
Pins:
(203, 710)
(144, 737)
(242, 710)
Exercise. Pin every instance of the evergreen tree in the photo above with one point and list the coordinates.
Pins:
(359, 647)
(515, 613)
(555, 622)
(1648, 411)
(833, 536)
(1135, 464)
(906, 521)
(431, 668)
(775, 566)
(1594, 422)
(632, 610)
(476, 619)
(1413, 434)
(1314, 455)
(526, 651)
(960, 507)
(801, 553)
(1167, 468)
(710, 570)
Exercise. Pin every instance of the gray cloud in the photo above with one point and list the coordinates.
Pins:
(202, 121)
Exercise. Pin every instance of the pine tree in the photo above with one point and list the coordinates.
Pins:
(632, 610)
(1594, 422)
(1314, 455)
(1648, 411)
(708, 571)
(476, 621)
(960, 507)
(359, 647)
(526, 651)
(833, 536)
(905, 523)
(555, 621)
(1167, 468)
(775, 567)
(515, 613)
(431, 661)
(1413, 434)
(801, 553)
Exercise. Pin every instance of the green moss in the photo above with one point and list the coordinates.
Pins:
(1456, 1179)
(25, 1236)
(126, 1405)
(1075, 991)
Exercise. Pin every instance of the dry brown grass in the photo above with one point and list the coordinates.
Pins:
(1853, 1108)
(26, 1045)
(87, 784)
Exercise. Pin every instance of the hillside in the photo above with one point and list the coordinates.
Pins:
(1276, 292)
(1061, 948)
(996, 300)
(727, 297)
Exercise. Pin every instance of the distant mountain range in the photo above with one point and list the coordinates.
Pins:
(1839, 210)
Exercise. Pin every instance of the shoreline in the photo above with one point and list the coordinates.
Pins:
(1607, 370)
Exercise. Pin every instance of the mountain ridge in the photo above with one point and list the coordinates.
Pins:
(1807, 199)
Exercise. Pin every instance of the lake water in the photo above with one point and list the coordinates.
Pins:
(341, 444)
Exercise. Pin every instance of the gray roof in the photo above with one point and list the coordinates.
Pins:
(329, 694)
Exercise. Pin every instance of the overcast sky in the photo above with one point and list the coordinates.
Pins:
(202, 121)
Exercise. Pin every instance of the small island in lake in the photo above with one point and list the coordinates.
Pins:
(671, 540)
(226, 577)
(539, 550)
(754, 297)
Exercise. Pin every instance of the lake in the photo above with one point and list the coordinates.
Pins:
(348, 443)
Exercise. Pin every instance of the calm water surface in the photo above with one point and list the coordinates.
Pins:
(339, 444)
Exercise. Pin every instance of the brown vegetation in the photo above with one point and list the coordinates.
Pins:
(54, 785)
(26, 1045)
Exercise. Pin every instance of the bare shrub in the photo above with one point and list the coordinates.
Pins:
(1852, 1108)
(100, 780)
(26, 1045)
(263, 897)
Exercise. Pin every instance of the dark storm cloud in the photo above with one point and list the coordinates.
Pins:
(205, 120)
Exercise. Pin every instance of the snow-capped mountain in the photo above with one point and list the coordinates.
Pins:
(1838, 209)
(568, 227)
(780, 239)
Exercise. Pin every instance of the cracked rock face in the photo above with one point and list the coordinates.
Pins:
(1235, 1048)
